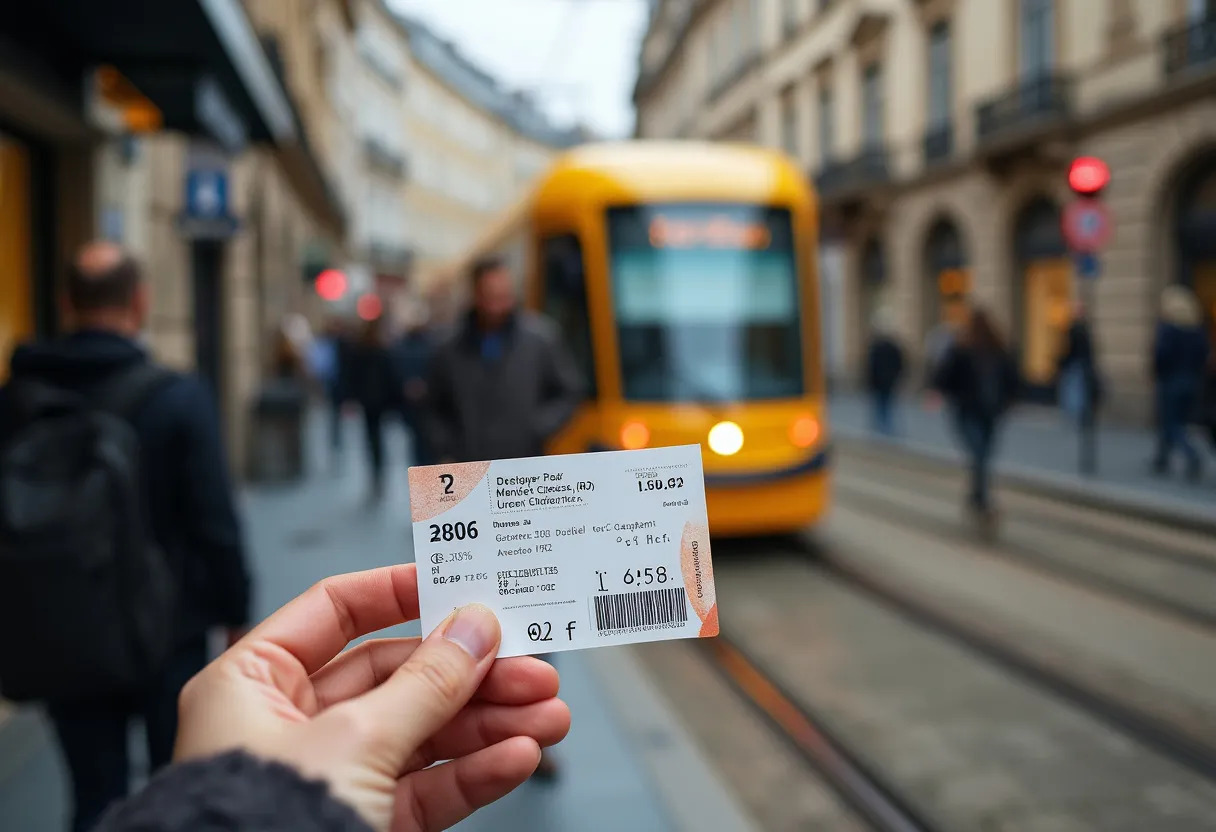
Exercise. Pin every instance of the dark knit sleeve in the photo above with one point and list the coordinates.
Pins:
(232, 792)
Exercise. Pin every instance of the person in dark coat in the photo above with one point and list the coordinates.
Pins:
(1180, 355)
(328, 356)
(884, 371)
(502, 384)
(1080, 384)
(411, 360)
(978, 379)
(190, 506)
(371, 381)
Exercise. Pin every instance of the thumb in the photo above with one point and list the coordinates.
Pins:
(434, 684)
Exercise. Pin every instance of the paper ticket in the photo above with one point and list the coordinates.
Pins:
(575, 551)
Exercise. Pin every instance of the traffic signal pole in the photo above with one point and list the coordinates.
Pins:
(1087, 227)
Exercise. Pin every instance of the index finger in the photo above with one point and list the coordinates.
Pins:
(315, 626)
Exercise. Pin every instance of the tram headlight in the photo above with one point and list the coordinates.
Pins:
(804, 431)
(634, 435)
(725, 438)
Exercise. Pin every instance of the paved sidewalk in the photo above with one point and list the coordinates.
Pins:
(1037, 443)
(301, 534)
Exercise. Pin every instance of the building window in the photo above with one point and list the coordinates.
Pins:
(1037, 23)
(872, 108)
(1198, 11)
(742, 33)
(941, 86)
(566, 301)
(789, 122)
(789, 17)
(827, 126)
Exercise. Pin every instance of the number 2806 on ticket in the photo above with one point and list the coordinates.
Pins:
(575, 551)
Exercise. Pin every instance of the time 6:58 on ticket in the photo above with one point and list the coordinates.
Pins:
(575, 551)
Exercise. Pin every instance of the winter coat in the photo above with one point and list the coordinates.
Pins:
(504, 400)
(232, 793)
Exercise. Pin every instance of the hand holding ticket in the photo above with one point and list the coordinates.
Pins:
(575, 551)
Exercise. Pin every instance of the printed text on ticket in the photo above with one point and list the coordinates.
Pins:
(575, 551)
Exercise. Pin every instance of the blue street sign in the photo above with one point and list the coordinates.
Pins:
(206, 194)
(1088, 265)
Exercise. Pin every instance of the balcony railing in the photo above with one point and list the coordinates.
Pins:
(939, 143)
(1190, 46)
(866, 169)
(1036, 101)
(383, 159)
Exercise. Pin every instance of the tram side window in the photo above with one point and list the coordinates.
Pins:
(566, 301)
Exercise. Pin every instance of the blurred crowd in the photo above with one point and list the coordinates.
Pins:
(973, 371)
(495, 385)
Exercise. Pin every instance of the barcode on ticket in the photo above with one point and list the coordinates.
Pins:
(649, 608)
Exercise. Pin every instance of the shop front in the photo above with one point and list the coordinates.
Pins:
(16, 287)
(1043, 295)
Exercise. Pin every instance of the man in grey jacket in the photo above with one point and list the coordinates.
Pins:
(502, 383)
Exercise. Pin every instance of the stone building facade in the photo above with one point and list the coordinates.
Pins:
(939, 134)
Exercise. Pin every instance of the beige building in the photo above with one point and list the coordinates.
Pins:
(195, 151)
(475, 149)
(940, 133)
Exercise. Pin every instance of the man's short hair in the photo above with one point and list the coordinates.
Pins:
(90, 290)
(483, 266)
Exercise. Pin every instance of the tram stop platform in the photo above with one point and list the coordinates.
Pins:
(1038, 450)
(627, 763)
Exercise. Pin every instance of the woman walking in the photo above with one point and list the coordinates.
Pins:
(978, 379)
(1180, 354)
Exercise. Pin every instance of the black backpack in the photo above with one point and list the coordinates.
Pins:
(86, 595)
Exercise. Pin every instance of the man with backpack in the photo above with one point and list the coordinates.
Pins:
(120, 546)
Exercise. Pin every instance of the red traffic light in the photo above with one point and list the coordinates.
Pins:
(331, 285)
(369, 307)
(1088, 175)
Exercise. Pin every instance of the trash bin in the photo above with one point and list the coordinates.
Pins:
(276, 449)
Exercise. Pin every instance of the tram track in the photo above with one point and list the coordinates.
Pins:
(1033, 557)
(1168, 740)
(877, 687)
(1168, 571)
(875, 802)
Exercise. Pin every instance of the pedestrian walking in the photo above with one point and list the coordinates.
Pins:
(1180, 356)
(501, 385)
(411, 359)
(1080, 387)
(328, 355)
(884, 371)
(371, 382)
(120, 546)
(978, 379)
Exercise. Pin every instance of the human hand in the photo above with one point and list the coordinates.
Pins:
(370, 722)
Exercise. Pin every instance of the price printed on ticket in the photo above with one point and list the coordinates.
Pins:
(575, 551)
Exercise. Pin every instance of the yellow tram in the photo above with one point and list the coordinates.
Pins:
(683, 278)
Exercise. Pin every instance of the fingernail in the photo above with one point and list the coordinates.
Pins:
(475, 629)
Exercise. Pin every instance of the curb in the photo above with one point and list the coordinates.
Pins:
(690, 791)
(1021, 478)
